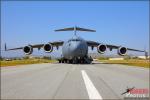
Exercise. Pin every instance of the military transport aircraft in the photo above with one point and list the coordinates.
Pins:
(74, 50)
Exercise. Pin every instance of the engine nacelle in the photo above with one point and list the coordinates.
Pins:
(101, 48)
(48, 48)
(28, 50)
(122, 51)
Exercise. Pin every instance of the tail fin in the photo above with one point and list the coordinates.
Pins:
(75, 29)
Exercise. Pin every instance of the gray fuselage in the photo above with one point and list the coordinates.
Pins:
(74, 47)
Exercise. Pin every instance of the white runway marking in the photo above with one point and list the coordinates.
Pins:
(92, 91)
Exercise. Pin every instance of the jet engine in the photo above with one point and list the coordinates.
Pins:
(28, 50)
(122, 51)
(48, 48)
(101, 48)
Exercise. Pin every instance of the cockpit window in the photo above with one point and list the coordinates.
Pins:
(74, 40)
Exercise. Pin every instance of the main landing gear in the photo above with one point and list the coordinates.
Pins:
(76, 60)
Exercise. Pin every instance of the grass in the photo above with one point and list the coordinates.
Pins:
(24, 62)
(131, 62)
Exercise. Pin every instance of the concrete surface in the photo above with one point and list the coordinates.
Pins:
(67, 81)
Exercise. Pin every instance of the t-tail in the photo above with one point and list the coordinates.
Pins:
(75, 29)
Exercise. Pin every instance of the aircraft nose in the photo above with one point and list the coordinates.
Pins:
(77, 49)
(76, 46)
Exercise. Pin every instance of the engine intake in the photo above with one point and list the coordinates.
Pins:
(48, 48)
(101, 48)
(122, 51)
(28, 50)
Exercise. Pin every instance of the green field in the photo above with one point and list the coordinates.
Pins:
(4, 63)
(131, 62)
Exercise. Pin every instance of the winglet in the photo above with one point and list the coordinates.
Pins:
(5, 47)
(146, 54)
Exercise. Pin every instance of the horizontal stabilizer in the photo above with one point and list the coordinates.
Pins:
(75, 29)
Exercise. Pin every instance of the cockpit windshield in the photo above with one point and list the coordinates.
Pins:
(74, 40)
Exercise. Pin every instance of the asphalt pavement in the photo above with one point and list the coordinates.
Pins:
(69, 81)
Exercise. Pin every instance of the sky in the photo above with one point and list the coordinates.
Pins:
(124, 23)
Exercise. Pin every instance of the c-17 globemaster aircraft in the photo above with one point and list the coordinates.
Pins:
(75, 50)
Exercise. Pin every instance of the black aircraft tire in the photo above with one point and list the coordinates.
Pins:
(65, 61)
(74, 62)
(70, 61)
(59, 61)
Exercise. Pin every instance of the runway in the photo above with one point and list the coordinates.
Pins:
(68, 81)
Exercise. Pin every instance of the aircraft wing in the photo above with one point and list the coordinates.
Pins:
(33, 46)
(57, 43)
(39, 46)
(95, 44)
